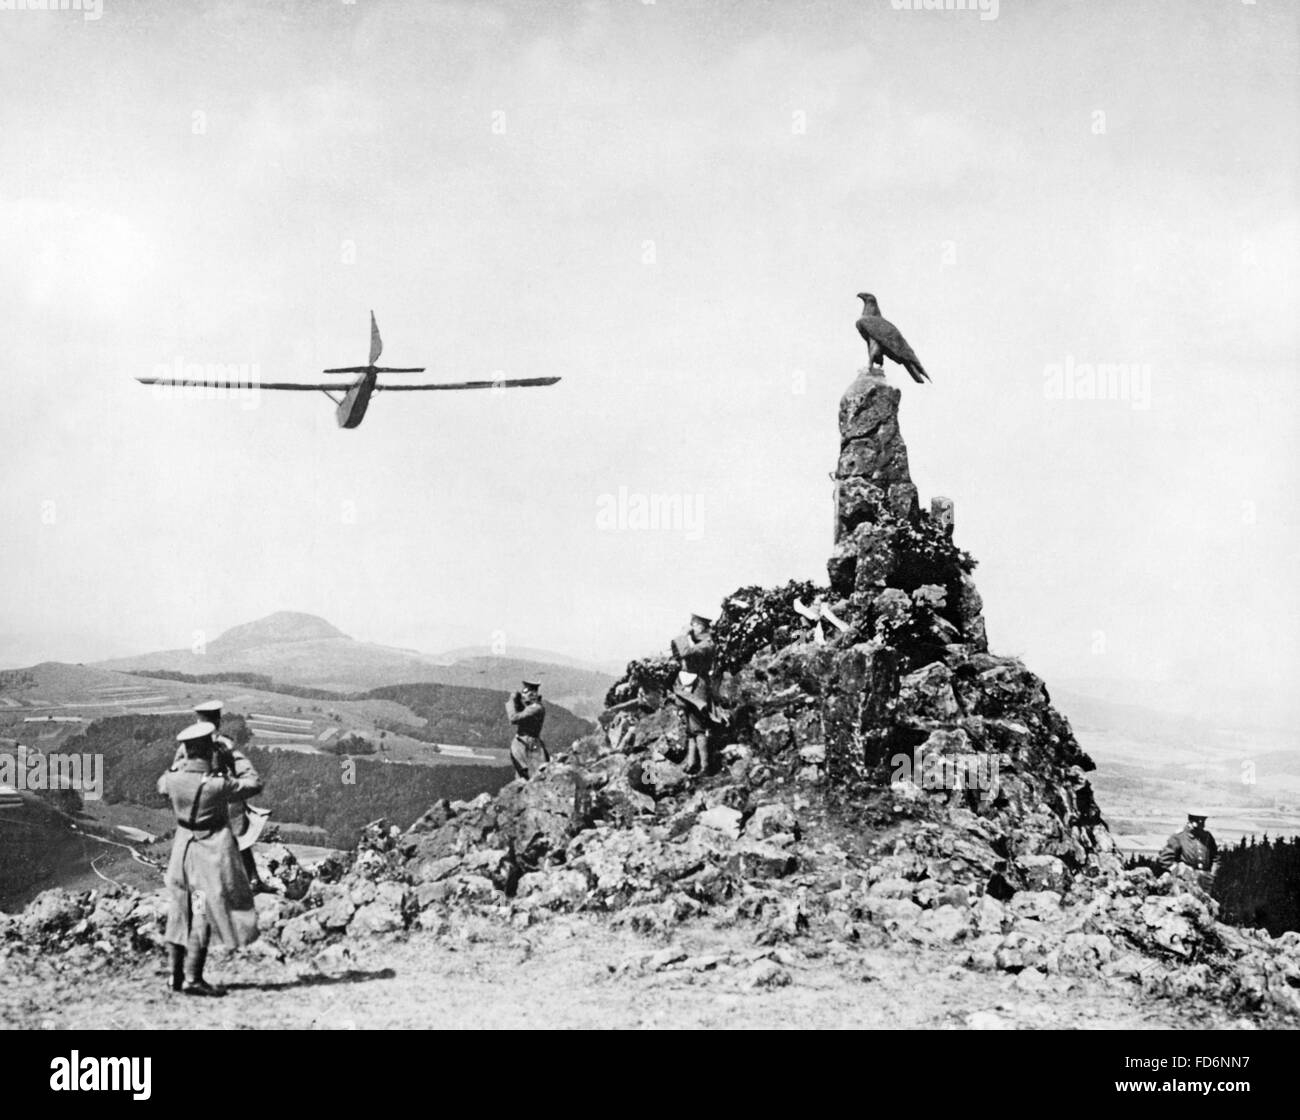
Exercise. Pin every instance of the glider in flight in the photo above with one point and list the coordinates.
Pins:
(352, 399)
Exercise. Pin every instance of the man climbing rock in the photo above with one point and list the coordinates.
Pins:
(526, 711)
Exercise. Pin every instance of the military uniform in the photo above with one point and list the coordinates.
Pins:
(1197, 850)
(228, 759)
(527, 751)
(210, 891)
(693, 693)
(696, 652)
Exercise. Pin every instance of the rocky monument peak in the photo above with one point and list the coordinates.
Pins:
(883, 539)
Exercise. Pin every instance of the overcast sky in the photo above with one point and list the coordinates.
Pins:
(672, 205)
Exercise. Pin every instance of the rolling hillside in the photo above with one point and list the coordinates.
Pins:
(302, 649)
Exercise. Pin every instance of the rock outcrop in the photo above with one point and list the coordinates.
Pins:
(892, 783)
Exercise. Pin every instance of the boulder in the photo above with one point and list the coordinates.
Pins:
(305, 929)
(539, 816)
(892, 913)
(497, 864)
(657, 777)
(942, 925)
(431, 870)
(754, 859)
(765, 973)
(617, 798)
(376, 917)
(768, 820)
(336, 911)
(1036, 905)
(1043, 873)
(552, 889)
(721, 819)
(50, 913)
(927, 693)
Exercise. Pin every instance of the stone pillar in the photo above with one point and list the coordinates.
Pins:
(872, 471)
(872, 480)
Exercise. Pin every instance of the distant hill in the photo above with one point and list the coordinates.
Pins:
(582, 691)
(274, 629)
(1228, 705)
(292, 648)
(536, 656)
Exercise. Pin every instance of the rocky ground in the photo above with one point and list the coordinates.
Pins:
(582, 972)
(686, 919)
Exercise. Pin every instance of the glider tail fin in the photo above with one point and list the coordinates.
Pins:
(376, 343)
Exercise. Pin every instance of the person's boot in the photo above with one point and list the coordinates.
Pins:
(195, 985)
(704, 756)
(176, 957)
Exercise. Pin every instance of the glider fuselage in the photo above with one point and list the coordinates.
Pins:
(352, 408)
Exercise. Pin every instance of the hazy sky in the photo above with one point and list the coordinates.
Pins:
(672, 205)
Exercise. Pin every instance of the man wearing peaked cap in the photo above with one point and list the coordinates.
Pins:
(246, 821)
(193, 734)
(527, 713)
(693, 691)
(1193, 846)
(210, 893)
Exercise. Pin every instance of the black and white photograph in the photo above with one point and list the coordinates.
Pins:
(650, 515)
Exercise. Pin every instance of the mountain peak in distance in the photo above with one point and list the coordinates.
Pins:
(276, 629)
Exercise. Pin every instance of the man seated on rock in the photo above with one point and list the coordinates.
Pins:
(693, 691)
(1193, 847)
(526, 711)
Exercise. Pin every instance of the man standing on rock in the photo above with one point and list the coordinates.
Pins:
(227, 759)
(693, 690)
(526, 711)
(1193, 846)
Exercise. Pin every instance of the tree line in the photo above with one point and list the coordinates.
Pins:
(1256, 883)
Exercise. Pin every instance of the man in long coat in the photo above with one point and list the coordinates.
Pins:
(210, 892)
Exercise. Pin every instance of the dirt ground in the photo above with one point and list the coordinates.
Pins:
(578, 973)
